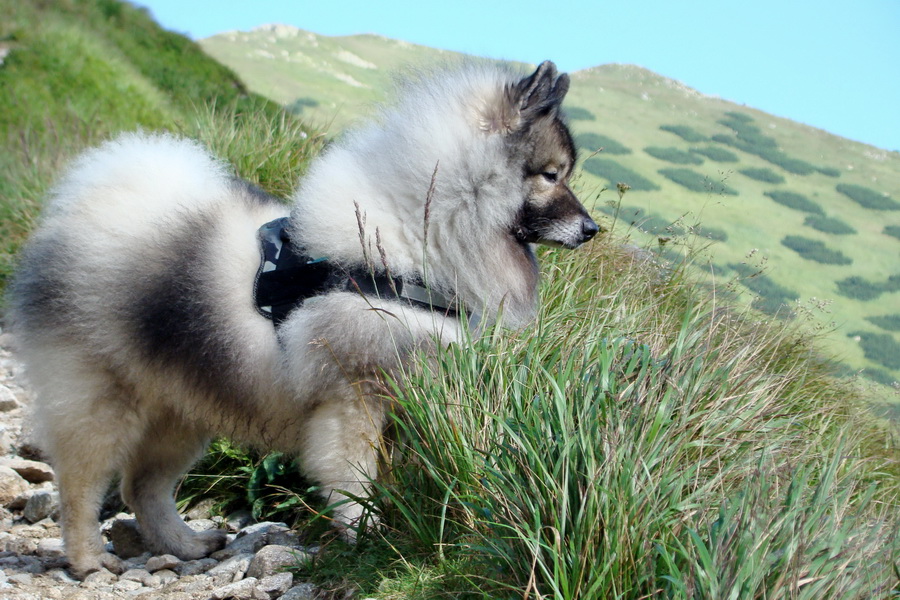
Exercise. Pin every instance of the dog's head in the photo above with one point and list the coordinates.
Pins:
(541, 145)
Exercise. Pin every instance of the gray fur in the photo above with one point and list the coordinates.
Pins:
(134, 310)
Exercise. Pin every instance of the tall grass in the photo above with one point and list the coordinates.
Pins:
(641, 441)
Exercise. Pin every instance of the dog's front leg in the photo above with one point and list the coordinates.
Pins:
(340, 450)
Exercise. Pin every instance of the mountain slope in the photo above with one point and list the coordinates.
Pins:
(76, 72)
(817, 212)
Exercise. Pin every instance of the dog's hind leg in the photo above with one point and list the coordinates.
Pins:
(86, 430)
(340, 450)
(168, 448)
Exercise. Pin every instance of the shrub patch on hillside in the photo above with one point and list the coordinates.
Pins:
(591, 142)
(828, 225)
(867, 198)
(715, 153)
(615, 173)
(578, 113)
(673, 155)
(750, 139)
(297, 106)
(773, 299)
(815, 250)
(829, 171)
(686, 133)
(860, 288)
(710, 233)
(886, 322)
(763, 174)
(879, 347)
(892, 230)
(795, 201)
(696, 182)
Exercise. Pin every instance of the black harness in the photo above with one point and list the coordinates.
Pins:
(287, 277)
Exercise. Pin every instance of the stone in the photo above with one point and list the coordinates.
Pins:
(236, 566)
(240, 590)
(195, 567)
(8, 400)
(274, 586)
(204, 509)
(126, 538)
(103, 577)
(163, 561)
(272, 559)
(199, 525)
(51, 548)
(61, 576)
(33, 471)
(166, 576)
(41, 505)
(140, 575)
(238, 520)
(127, 585)
(12, 485)
(303, 591)
(20, 578)
(251, 539)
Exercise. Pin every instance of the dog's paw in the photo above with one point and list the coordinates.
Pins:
(202, 544)
(82, 567)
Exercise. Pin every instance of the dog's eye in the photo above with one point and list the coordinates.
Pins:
(550, 176)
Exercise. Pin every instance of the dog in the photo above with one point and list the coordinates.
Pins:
(149, 311)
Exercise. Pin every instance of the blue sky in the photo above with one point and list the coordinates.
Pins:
(832, 64)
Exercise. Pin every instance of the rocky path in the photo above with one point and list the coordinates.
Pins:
(33, 565)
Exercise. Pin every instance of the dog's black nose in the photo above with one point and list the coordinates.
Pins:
(588, 229)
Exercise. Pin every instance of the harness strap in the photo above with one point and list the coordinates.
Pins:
(288, 276)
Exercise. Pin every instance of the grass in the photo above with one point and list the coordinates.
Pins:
(642, 440)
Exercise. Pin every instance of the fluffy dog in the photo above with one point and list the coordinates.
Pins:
(137, 301)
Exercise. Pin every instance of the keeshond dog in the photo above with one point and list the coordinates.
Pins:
(163, 301)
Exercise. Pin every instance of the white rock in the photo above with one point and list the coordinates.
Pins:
(275, 585)
(51, 548)
(240, 590)
(303, 591)
(12, 485)
(40, 505)
(34, 471)
(8, 400)
(272, 559)
(163, 561)
(236, 566)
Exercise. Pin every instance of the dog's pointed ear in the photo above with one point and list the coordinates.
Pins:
(535, 96)
(541, 93)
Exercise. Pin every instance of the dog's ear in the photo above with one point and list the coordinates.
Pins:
(535, 96)
(541, 93)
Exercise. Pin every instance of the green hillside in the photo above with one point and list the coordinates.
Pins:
(74, 73)
(818, 214)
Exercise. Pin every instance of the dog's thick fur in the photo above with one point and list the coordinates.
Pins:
(134, 306)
